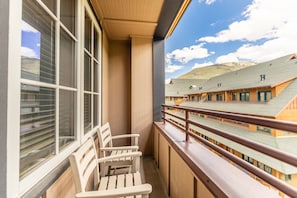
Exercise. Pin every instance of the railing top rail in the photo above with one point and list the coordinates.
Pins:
(262, 121)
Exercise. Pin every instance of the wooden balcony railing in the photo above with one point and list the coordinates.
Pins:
(185, 123)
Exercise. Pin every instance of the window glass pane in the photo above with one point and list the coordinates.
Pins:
(96, 50)
(87, 73)
(37, 127)
(87, 113)
(51, 4)
(96, 74)
(68, 14)
(88, 32)
(67, 60)
(95, 109)
(67, 114)
(38, 44)
(268, 95)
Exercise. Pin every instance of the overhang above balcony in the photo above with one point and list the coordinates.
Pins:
(123, 19)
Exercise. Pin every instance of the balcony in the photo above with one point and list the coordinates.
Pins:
(185, 164)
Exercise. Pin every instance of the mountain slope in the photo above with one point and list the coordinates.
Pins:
(214, 70)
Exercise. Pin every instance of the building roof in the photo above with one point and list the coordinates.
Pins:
(266, 109)
(283, 143)
(267, 74)
(182, 87)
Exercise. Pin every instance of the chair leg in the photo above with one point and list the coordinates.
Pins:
(136, 164)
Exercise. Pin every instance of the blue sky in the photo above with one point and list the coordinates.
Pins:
(219, 31)
(30, 41)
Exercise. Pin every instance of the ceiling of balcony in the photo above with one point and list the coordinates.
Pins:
(122, 19)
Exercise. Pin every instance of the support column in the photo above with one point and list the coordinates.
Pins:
(159, 78)
(142, 91)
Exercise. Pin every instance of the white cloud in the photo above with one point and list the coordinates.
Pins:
(197, 65)
(28, 28)
(261, 19)
(173, 68)
(231, 57)
(28, 52)
(208, 2)
(188, 53)
(167, 81)
(274, 21)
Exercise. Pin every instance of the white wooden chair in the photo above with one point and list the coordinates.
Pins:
(88, 183)
(107, 149)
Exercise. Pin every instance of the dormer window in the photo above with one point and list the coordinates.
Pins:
(219, 84)
(262, 77)
(192, 87)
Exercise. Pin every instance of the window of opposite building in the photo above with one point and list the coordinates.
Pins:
(209, 97)
(233, 96)
(220, 97)
(55, 87)
(264, 96)
(244, 96)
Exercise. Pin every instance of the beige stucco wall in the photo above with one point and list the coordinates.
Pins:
(119, 94)
(142, 91)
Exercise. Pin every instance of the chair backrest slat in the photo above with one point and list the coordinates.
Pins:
(85, 165)
(104, 135)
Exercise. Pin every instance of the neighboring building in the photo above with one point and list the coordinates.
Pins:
(179, 90)
(266, 90)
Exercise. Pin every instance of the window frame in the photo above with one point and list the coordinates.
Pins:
(265, 92)
(244, 96)
(13, 150)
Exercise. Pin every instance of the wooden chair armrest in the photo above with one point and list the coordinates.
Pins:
(120, 192)
(119, 148)
(108, 158)
(134, 135)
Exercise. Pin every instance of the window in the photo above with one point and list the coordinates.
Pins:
(247, 158)
(244, 96)
(209, 97)
(264, 129)
(288, 177)
(264, 167)
(220, 97)
(91, 73)
(50, 91)
(193, 98)
(234, 96)
(264, 96)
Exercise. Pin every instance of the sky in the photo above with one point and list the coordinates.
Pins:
(220, 31)
(30, 41)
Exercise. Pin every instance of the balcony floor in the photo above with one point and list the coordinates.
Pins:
(150, 174)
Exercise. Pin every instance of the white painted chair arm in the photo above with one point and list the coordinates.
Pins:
(120, 192)
(119, 148)
(108, 158)
(133, 135)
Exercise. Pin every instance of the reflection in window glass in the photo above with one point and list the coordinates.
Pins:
(88, 32)
(95, 112)
(68, 14)
(87, 73)
(96, 74)
(87, 112)
(37, 129)
(67, 60)
(96, 49)
(38, 44)
(51, 4)
(67, 111)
